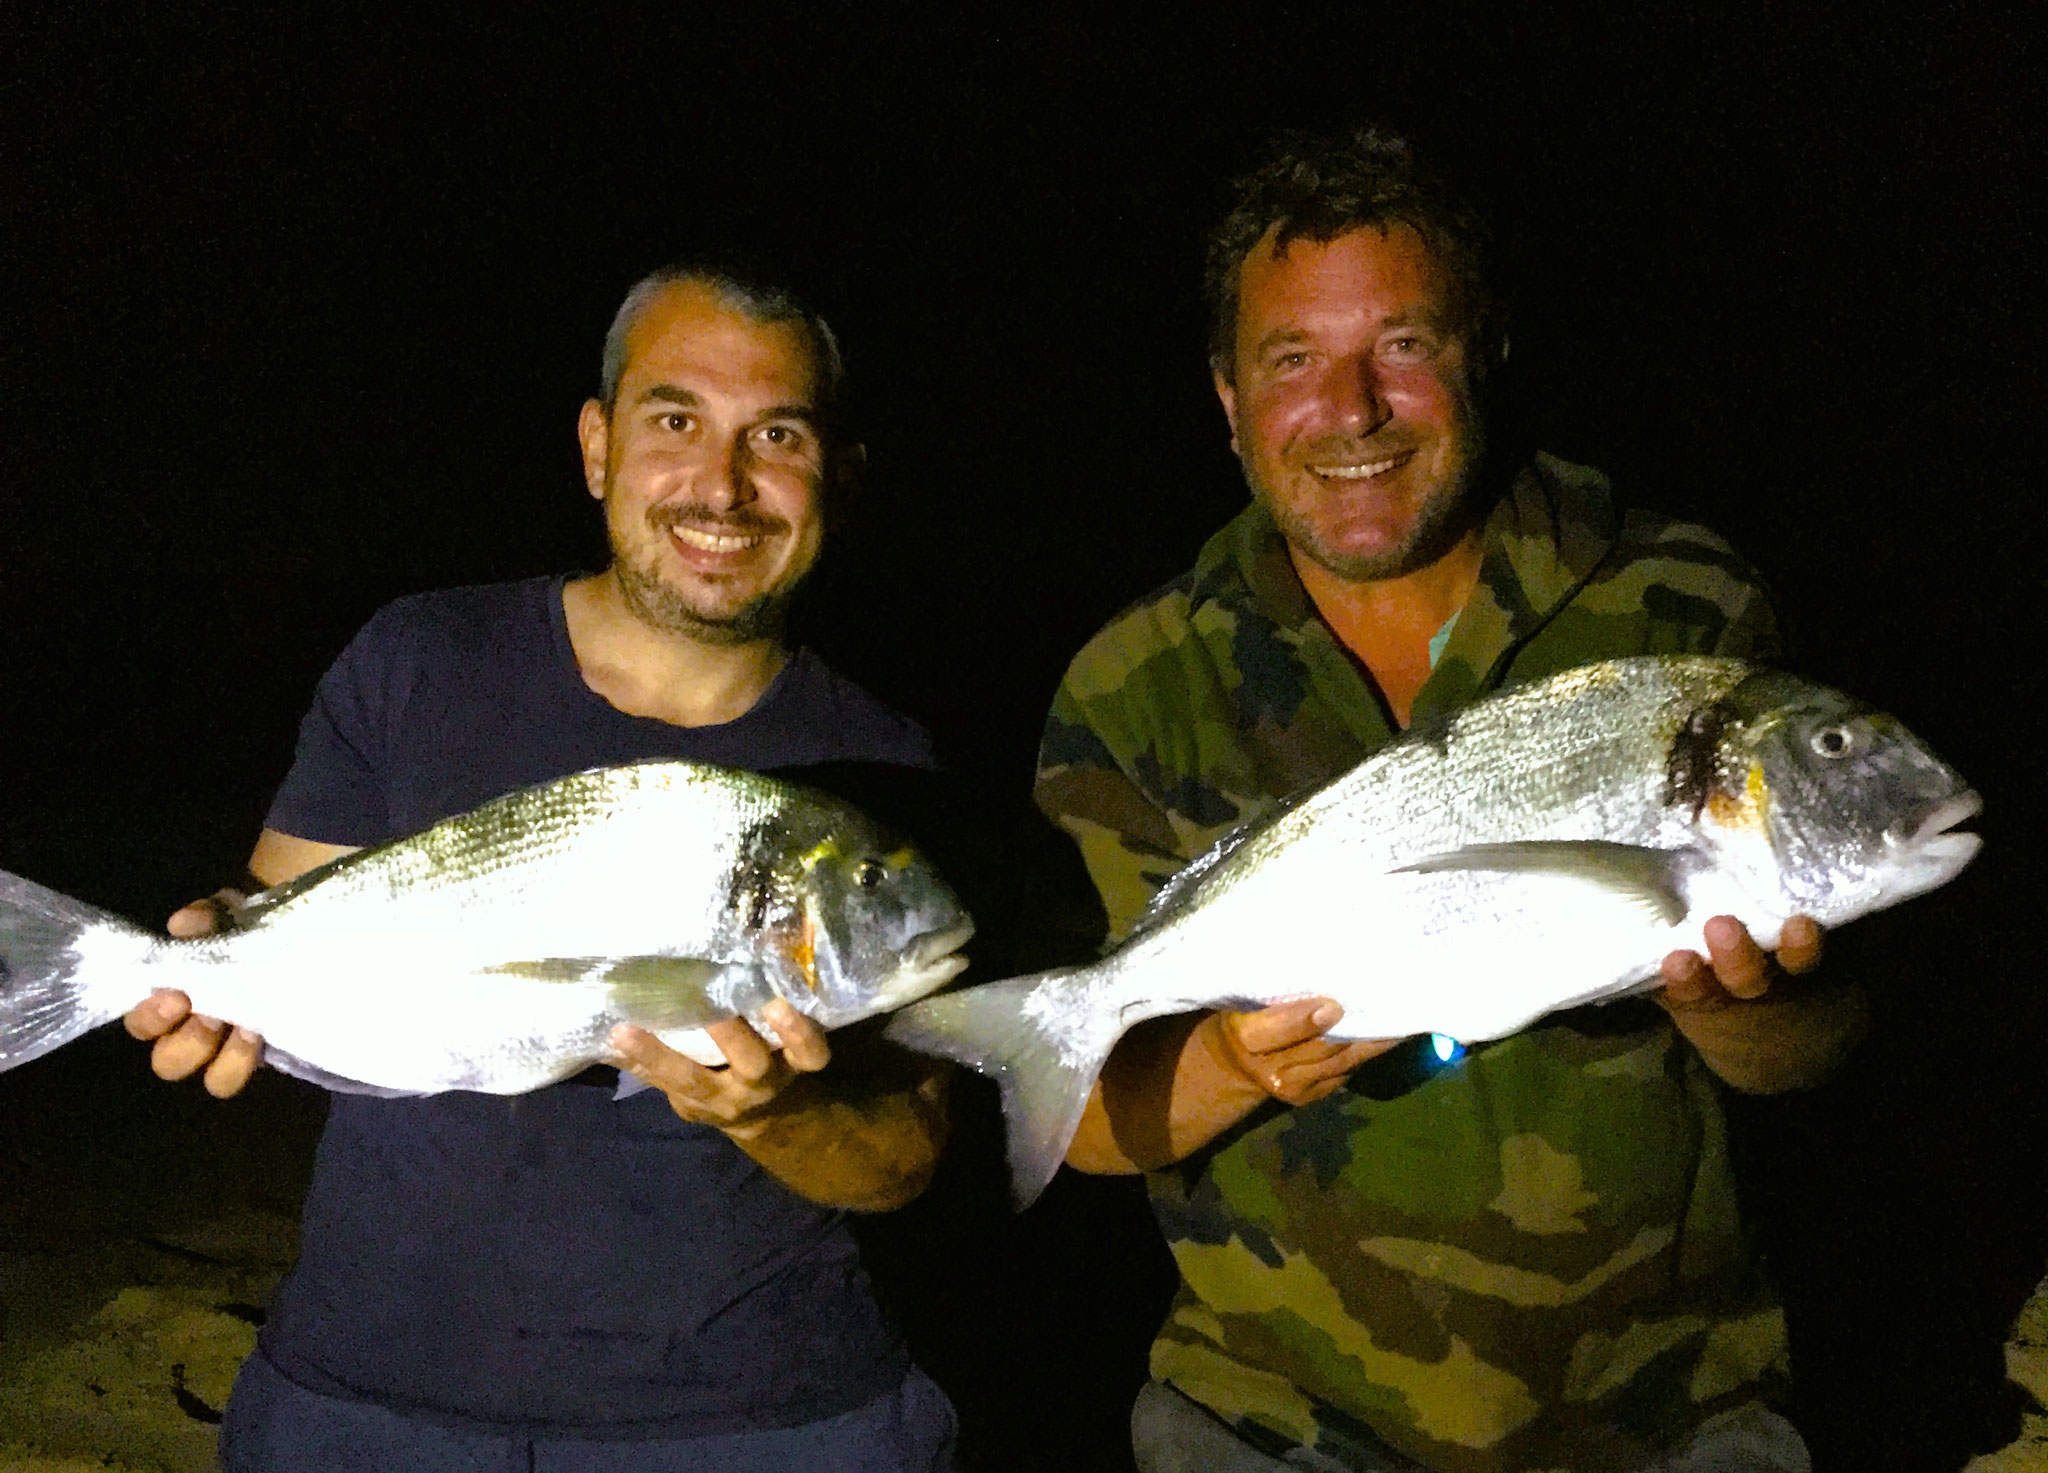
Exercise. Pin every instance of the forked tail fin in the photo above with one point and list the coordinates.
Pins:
(1043, 1056)
(46, 996)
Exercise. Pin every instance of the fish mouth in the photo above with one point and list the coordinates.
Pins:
(933, 959)
(934, 947)
(1935, 835)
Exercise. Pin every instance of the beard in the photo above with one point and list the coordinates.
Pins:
(672, 610)
(1446, 514)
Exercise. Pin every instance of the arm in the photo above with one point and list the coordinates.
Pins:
(184, 1042)
(863, 1136)
(1173, 1085)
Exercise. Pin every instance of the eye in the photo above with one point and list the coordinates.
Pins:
(1834, 741)
(1408, 348)
(782, 437)
(870, 873)
(675, 420)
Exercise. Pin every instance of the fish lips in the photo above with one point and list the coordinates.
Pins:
(927, 964)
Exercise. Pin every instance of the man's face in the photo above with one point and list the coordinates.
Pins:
(1351, 402)
(711, 467)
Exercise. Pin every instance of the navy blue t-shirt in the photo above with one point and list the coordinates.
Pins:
(558, 1260)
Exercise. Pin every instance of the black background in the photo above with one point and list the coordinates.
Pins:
(300, 304)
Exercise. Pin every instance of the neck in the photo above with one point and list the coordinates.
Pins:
(660, 673)
(1388, 622)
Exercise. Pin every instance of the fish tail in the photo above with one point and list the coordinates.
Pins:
(48, 994)
(1004, 1030)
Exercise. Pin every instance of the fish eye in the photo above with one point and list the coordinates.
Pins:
(870, 873)
(1834, 741)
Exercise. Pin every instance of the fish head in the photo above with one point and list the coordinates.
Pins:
(861, 922)
(1854, 812)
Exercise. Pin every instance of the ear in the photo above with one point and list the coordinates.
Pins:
(1228, 394)
(593, 432)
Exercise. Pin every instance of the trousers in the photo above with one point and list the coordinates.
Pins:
(274, 1425)
(1171, 1434)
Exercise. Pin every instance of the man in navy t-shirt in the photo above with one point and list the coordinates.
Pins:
(563, 1279)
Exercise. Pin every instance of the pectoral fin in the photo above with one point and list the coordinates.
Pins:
(657, 993)
(1649, 878)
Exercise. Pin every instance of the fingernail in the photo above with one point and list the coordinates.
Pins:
(1326, 1016)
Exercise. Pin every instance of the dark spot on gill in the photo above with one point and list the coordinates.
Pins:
(1694, 759)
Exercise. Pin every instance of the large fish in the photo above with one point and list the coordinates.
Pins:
(496, 950)
(1544, 848)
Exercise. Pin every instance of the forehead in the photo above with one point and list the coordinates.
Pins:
(688, 338)
(1370, 271)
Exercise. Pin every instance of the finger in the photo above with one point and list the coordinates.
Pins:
(801, 1040)
(1283, 1025)
(747, 1054)
(157, 1014)
(200, 918)
(187, 1048)
(1799, 945)
(1305, 1075)
(1740, 965)
(236, 1063)
(1687, 979)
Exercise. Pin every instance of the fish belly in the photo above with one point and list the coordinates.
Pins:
(1473, 955)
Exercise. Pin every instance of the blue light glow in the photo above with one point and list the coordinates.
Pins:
(1447, 1048)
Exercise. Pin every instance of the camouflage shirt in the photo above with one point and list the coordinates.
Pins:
(1531, 1259)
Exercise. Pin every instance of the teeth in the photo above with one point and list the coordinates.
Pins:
(712, 541)
(1358, 472)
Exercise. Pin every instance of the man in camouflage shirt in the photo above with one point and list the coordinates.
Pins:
(1530, 1259)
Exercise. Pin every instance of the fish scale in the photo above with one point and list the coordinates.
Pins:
(496, 950)
(1543, 848)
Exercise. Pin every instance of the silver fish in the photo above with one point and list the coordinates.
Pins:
(1544, 848)
(496, 950)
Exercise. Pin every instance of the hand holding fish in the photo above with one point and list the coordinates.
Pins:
(1172, 1086)
(864, 1136)
(1284, 1050)
(184, 1043)
(736, 1097)
(1753, 1028)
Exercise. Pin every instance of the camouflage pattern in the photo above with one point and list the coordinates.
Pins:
(1532, 1259)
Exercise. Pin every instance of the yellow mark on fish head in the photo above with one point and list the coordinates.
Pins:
(1748, 810)
(818, 853)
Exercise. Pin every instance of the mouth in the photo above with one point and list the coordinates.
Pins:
(936, 946)
(1938, 834)
(1361, 470)
(726, 542)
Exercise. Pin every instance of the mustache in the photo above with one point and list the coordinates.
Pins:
(1358, 447)
(740, 522)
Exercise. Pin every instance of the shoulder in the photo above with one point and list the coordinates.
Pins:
(1686, 580)
(859, 725)
(454, 623)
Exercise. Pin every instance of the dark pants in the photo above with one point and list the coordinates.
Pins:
(276, 1426)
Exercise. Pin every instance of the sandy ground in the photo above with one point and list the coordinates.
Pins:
(142, 1229)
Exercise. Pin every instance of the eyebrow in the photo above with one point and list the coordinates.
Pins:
(691, 399)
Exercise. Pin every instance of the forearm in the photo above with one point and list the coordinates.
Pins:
(1791, 1038)
(868, 1151)
(1168, 1090)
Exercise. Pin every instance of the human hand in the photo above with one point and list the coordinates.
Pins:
(1283, 1051)
(749, 1090)
(1736, 969)
(184, 1042)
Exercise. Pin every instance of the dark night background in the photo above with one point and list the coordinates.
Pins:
(298, 306)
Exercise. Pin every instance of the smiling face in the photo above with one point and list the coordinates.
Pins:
(1351, 401)
(711, 466)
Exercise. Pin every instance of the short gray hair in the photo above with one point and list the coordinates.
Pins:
(752, 298)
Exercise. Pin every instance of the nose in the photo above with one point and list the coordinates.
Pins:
(1358, 401)
(725, 483)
